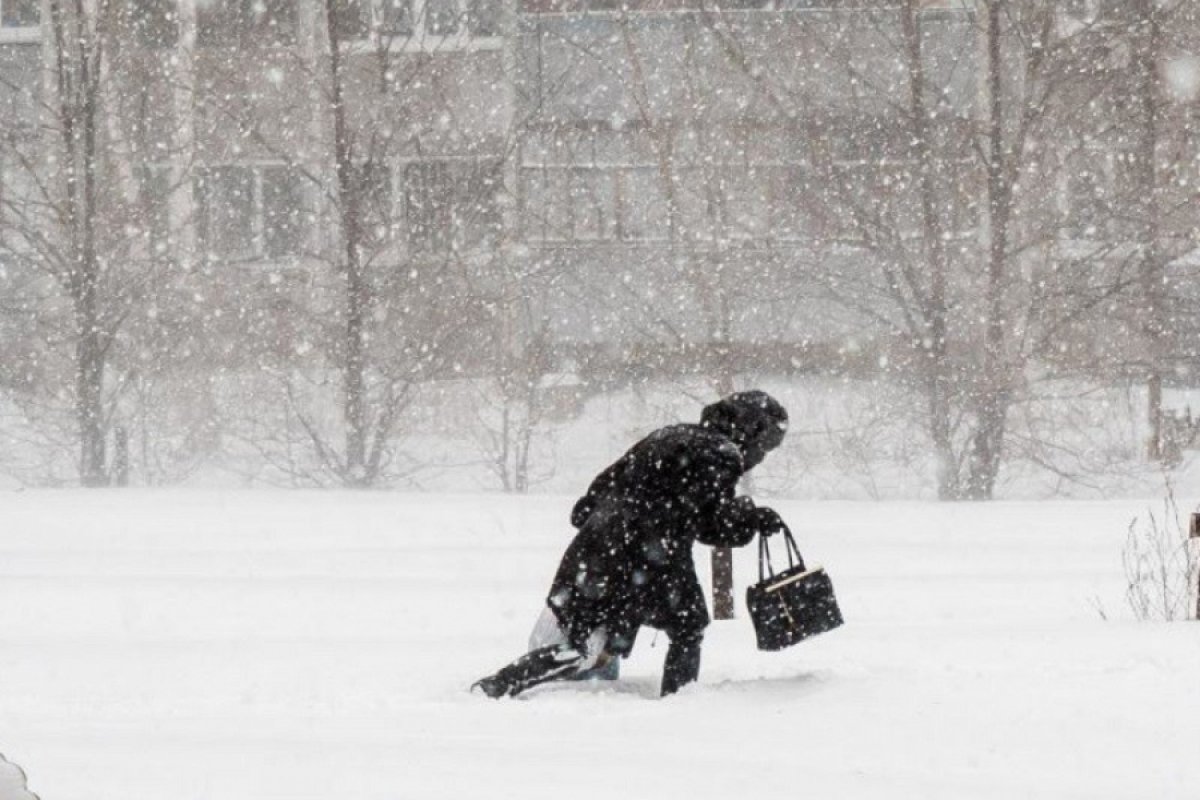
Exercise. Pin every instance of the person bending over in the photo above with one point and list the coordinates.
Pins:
(630, 562)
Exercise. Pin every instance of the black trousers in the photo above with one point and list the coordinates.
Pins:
(668, 598)
(675, 605)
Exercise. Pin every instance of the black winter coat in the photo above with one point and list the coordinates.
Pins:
(630, 563)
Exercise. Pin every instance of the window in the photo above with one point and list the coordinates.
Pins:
(563, 203)
(697, 206)
(731, 200)
(155, 208)
(225, 200)
(283, 211)
(1086, 207)
(1079, 9)
(1102, 193)
(483, 17)
(593, 202)
(644, 212)
(856, 206)
(746, 202)
(246, 212)
(20, 13)
(20, 70)
(1126, 205)
(355, 19)
(351, 19)
(154, 23)
(547, 199)
(4, 181)
(451, 205)
(477, 210)
(427, 205)
(371, 183)
(794, 198)
(396, 18)
(246, 22)
(441, 17)
(1090, 11)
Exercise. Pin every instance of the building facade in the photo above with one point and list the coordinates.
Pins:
(667, 172)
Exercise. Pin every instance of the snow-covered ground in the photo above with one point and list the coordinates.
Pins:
(170, 645)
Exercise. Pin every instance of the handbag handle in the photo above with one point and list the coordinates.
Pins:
(764, 555)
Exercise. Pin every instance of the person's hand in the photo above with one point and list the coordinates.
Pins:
(768, 521)
(582, 510)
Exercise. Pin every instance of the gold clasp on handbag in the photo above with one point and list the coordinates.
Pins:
(787, 612)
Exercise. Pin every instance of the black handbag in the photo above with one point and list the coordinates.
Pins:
(790, 606)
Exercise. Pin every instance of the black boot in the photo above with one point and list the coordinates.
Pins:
(682, 666)
(535, 667)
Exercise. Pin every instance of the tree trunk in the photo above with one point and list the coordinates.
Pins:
(986, 448)
(933, 306)
(355, 378)
(938, 397)
(120, 469)
(357, 291)
(77, 58)
(1155, 446)
(528, 418)
(89, 385)
(1148, 48)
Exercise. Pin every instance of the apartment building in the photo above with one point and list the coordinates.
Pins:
(669, 162)
(648, 169)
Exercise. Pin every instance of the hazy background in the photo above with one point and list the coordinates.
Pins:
(472, 244)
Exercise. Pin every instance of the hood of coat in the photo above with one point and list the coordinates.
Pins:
(752, 420)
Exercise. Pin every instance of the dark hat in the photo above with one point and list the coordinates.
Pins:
(753, 420)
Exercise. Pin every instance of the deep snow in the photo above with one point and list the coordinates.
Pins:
(169, 645)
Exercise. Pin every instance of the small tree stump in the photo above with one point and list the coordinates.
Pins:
(1194, 558)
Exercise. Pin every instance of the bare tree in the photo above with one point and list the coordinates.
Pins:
(75, 220)
(78, 55)
(387, 301)
(1154, 206)
(927, 169)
